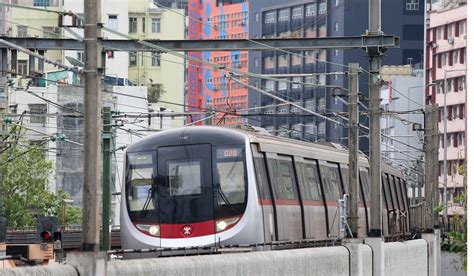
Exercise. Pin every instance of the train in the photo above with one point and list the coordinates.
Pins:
(200, 186)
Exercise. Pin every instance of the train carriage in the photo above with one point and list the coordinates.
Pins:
(198, 186)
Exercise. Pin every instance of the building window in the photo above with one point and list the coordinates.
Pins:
(444, 58)
(143, 24)
(256, 16)
(51, 32)
(269, 85)
(40, 111)
(155, 25)
(132, 24)
(255, 62)
(270, 17)
(41, 3)
(461, 27)
(80, 56)
(456, 57)
(22, 31)
(412, 5)
(155, 59)
(113, 22)
(296, 83)
(282, 86)
(336, 26)
(450, 31)
(336, 52)
(132, 59)
(283, 15)
(337, 3)
(297, 13)
(322, 8)
(282, 61)
(22, 67)
(310, 10)
(268, 63)
(439, 33)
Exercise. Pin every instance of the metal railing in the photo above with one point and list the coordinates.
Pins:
(417, 216)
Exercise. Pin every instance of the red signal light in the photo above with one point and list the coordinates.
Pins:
(46, 236)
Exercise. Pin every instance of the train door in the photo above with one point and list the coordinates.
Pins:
(265, 196)
(365, 194)
(287, 203)
(389, 211)
(185, 189)
(401, 201)
(332, 192)
(314, 210)
(360, 204)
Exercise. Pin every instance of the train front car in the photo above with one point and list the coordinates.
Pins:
(189, 187)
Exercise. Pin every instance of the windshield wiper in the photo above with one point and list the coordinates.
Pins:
(151, 193)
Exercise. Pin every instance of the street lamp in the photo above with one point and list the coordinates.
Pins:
(445, 141)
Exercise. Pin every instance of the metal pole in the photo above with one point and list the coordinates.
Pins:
(374, 122)
(353, 146)
(445, 149)
(92, 149)
(107, 137)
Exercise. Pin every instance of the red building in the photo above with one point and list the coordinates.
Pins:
(209, 88)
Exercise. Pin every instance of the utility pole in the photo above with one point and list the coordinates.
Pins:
(431, 167)
(92, 148)
(353, 146)
(106, 139)
(4, 88)
(374, 122)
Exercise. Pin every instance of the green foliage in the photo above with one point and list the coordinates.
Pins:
(456, 241)
(439, 208)
(26, 188)
(155, 91)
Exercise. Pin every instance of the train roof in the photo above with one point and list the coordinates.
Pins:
(320, 150)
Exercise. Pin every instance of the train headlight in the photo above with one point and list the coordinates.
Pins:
(152, 230)
(223, 224)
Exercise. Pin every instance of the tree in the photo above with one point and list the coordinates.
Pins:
(155, 91)
(456, 240)
(26, 188)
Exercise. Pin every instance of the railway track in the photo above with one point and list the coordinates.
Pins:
(71, 238)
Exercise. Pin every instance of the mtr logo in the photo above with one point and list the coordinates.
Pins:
(187, 231)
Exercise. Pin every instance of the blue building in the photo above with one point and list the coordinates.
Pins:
(321, 18)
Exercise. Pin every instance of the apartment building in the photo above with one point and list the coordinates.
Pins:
(154, 69)
(445, 85)
(209, 88)
(321, 18)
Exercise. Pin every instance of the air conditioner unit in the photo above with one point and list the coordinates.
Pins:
(450, 40)
(434, 45)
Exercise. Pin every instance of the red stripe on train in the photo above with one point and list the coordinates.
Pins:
(188, 230)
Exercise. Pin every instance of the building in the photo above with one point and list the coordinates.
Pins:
(445, 81)
(163, 73)
(210, 89)
(406, 152)
(321, 18)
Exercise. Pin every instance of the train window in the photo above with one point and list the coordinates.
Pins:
(231, 176)
(394, 192)
(288, 188)
(140, 181)
(262, 178)
(331, 181)
(398, 186)
(345, 177)
(312, 182)
(184, 171)
(404, 192)
(364, 178)
(386, 191)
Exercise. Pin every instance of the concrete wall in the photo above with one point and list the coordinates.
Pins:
(314, 261)
(406, 258)
(401, 258)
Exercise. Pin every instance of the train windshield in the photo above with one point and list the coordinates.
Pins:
(141, 192)
(230, 180)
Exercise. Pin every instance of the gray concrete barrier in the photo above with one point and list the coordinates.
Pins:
(406, 258)
(50, 270)
(310, 261)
